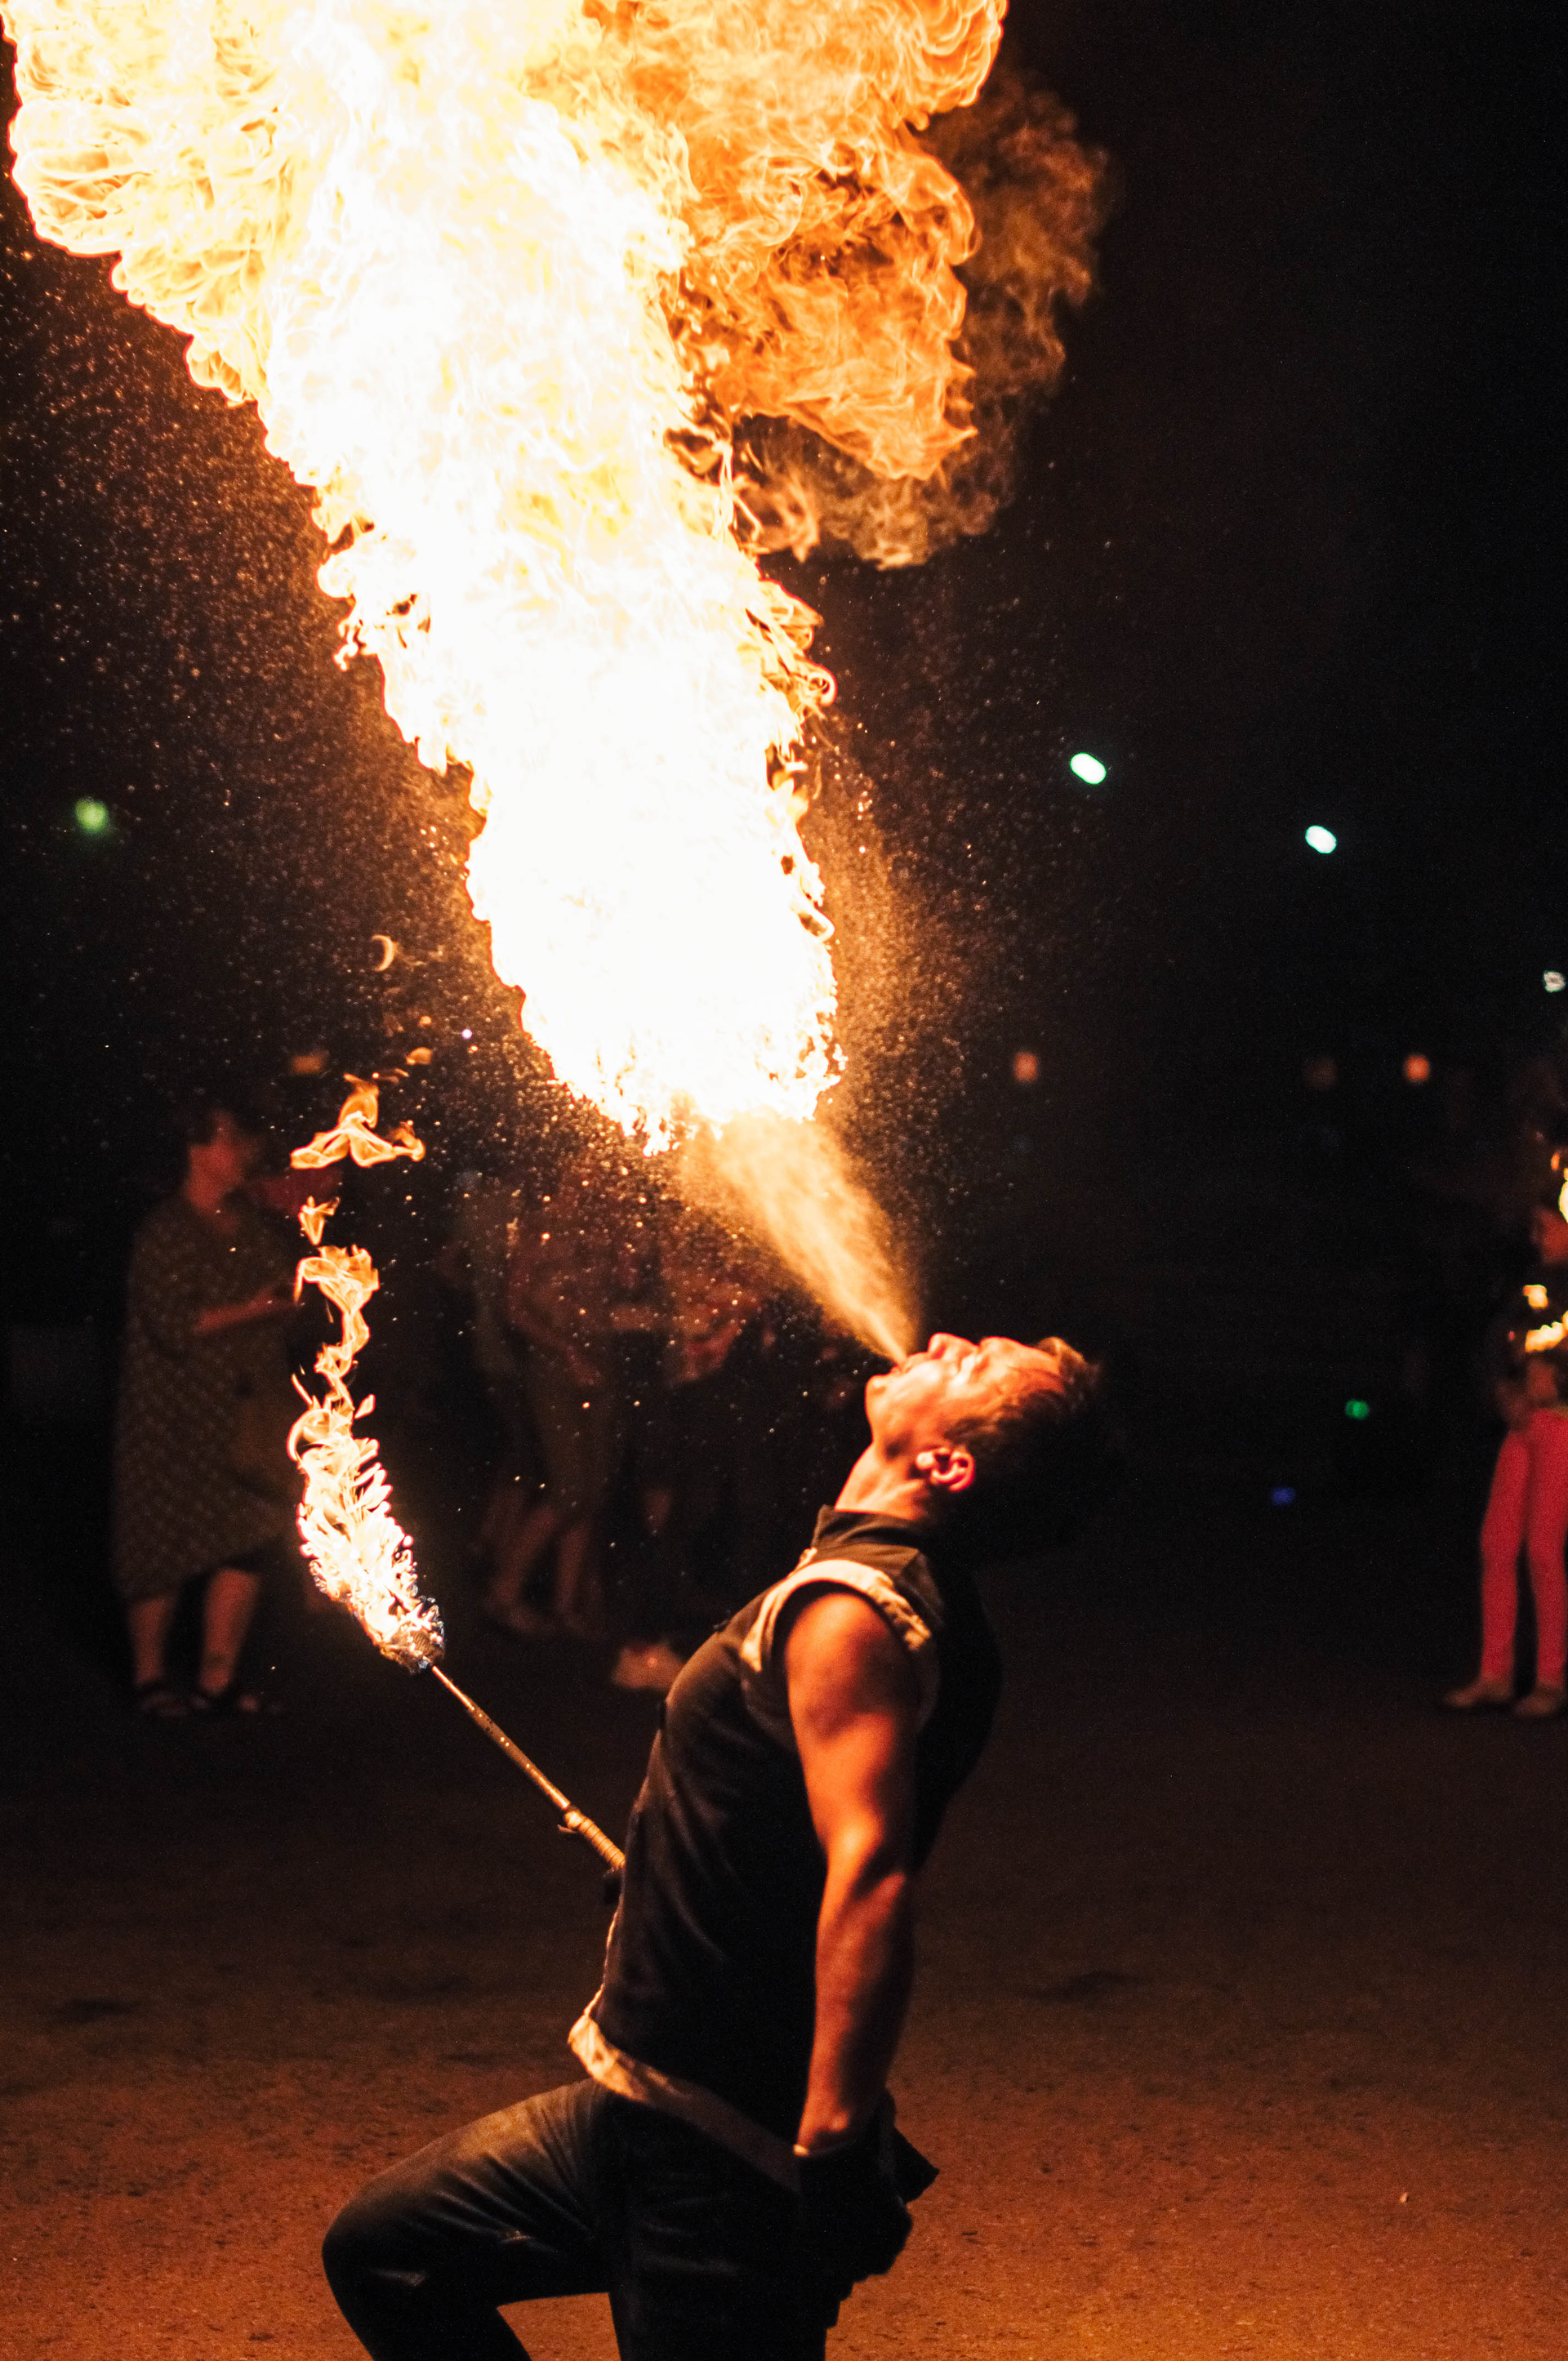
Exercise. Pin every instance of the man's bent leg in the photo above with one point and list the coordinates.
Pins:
(699, 2248)
(497, 2213)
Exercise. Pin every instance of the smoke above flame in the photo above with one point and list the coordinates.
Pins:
(504, 279)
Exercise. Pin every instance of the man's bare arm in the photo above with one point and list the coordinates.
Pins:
(854, 1707)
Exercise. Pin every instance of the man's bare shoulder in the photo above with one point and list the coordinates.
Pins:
(838, 1649)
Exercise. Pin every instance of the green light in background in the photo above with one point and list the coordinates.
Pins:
(92, 817)
(1322, 840)
(1089, 768)
(1356, 1409)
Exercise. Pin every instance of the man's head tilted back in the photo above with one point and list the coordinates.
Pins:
(1002, 1445)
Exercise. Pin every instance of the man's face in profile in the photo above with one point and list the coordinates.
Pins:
(923, 1400)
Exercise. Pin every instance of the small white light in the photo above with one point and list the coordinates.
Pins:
(1322, 840)
(467, 1032)
(1554, 980)
(1089, 768)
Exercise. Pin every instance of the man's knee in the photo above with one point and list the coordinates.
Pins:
(361, 2244)
(377, 2285)
(343, 2249)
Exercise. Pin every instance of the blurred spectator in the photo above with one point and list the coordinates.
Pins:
(639, 1317)
(1455, 1233)
(475, 1259)
(1528, 1506)
(203, 1484)
(556, 1307)
(718, 1378)
(702, 1453)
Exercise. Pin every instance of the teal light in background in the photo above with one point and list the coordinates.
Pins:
(92, 817)
(1357, 1409)
(1089, 768)
(1322, 840)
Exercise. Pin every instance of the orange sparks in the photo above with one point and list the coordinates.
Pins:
(358, 1553)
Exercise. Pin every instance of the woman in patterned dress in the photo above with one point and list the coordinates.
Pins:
(208, 1289)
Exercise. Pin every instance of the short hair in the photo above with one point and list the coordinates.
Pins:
(1047, 1453)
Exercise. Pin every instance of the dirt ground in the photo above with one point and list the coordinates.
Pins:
(1240, 2019)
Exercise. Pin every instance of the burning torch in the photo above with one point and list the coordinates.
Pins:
(359, 1554)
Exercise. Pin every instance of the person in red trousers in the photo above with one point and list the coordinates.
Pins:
(1528, 1505)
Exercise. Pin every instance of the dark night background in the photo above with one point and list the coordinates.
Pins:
(1236, 1938)
(1283, 554)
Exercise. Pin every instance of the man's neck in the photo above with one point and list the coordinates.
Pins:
(886, 1488)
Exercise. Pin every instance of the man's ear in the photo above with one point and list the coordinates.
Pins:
(947, 1466)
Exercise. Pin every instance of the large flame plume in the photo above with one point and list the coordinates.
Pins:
(358, 1551)
(503, 278)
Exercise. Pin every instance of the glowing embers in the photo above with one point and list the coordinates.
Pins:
(358, 1553)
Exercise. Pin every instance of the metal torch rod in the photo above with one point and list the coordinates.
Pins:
(573, 1822)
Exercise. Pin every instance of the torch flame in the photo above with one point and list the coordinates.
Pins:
(358, 1553)
(313, 1219)
(502, 278)
(353, 1134)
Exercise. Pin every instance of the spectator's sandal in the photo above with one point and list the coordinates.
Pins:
(159, 1700)
(236, 1702)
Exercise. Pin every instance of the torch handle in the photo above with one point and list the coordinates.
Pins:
(573, 1822)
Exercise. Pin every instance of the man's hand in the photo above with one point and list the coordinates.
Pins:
(852, 2222)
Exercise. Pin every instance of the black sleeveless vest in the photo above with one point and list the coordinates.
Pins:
(711, 1969)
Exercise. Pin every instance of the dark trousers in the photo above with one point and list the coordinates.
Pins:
(575, 2192)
